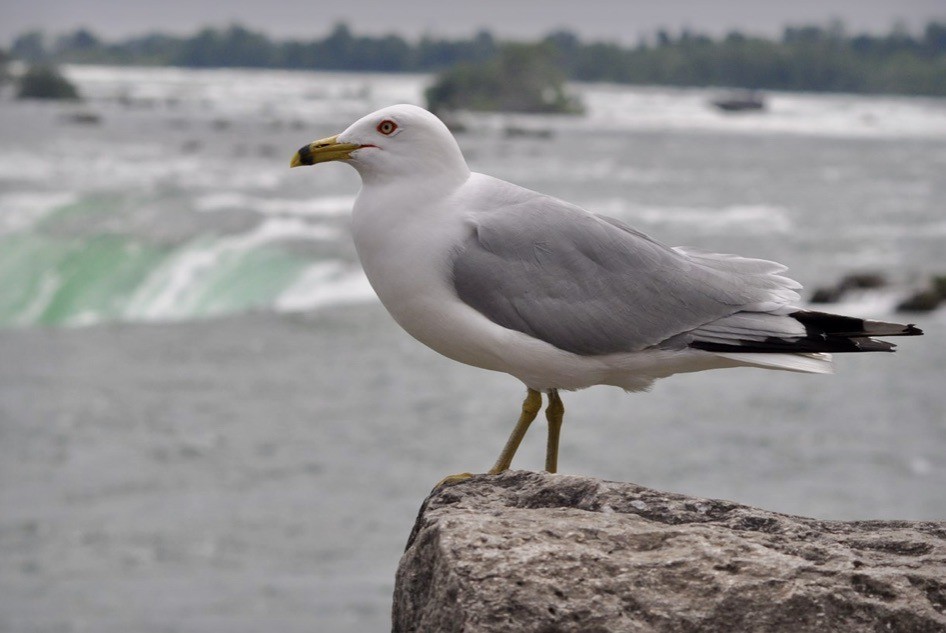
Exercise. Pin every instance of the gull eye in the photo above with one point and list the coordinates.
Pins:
(387, 127)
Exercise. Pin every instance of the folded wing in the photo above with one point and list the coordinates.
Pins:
(592, 285)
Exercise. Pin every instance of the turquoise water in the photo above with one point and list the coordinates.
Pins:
(67, 281)
(208, 423)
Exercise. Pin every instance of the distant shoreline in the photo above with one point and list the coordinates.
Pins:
(806, 58)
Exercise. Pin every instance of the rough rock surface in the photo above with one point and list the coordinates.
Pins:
(526, 551)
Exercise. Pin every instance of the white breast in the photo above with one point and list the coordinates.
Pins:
(407, 257)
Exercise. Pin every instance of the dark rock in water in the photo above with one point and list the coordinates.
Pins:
(530, 552)
(938, 284)
(740, 102)
(853, 281)
(513, 131)
(191, 146)
(826, 294)
(926, 299)
(863, 281)
(83, 118)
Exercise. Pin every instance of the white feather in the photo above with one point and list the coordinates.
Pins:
(805, 363)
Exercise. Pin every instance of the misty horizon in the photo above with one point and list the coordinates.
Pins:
(50, 37)
(593, 20)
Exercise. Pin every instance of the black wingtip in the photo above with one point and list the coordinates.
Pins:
(839, 325)
(825, 332)
(864, 344)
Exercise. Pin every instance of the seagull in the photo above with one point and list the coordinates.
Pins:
(500, 277)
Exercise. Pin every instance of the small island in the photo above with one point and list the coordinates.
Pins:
(521, 78)
(42, 81)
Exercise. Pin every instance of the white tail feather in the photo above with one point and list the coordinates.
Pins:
(817, 363)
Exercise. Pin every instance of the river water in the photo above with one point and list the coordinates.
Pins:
(207, 422)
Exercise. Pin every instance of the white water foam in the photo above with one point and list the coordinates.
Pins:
(248, 93)
(22, 209)
(176, 288)
(828, 115)
(49, 285)
(325, 206)
(26, 166)
(325, 283)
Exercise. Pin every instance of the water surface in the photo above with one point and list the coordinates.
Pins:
(207, 422)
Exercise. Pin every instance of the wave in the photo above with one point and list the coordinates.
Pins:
(247, 93)
(322, 284)
(825, 115)
(76, 281)
(211, 277)
(325, 206)
(22, 209)
(50, 280)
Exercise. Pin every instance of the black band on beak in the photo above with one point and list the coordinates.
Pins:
(305, 156)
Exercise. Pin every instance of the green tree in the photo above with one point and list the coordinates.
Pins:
(78, 41)
(235, 47)
(4, 73)
(522, 78)
(30, 46)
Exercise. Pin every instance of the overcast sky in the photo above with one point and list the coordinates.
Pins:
(598, 19)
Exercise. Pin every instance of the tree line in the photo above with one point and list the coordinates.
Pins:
(239, 47)
(811, 58)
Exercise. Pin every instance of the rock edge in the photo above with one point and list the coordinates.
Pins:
(527, 551)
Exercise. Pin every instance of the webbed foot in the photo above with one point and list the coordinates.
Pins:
(451, 480)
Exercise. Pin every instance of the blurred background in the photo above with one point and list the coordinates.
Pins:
(209, 423)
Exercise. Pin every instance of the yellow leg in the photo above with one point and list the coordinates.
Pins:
(530, 409)
(449, 480)
(555, 413)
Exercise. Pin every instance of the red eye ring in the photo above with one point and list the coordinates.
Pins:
(387, 127)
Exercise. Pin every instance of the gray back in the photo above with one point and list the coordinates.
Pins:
(592, 285)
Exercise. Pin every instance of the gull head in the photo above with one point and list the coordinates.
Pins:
(397, 142)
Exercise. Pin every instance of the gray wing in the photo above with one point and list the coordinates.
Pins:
(592, 285)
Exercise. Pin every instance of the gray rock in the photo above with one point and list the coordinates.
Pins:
(526, 551)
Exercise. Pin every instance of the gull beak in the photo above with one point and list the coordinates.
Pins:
(322, 151)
